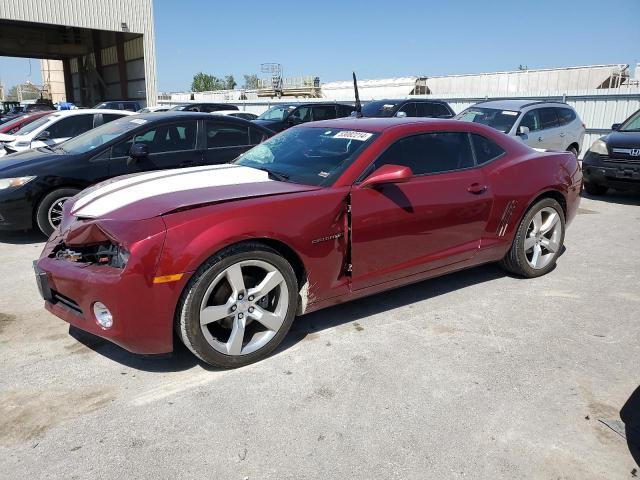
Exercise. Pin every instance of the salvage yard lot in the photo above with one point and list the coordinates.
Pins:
(474, 375)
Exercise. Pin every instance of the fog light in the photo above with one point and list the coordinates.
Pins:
(103, 315)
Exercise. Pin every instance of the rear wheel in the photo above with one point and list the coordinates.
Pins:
(538, 240)
(49, 211)
(595, 189)
(238, 306)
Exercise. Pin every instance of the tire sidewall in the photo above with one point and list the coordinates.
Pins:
(42, 212)
(522, 233)
(189, 311)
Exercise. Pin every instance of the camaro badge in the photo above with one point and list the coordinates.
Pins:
(330, 237)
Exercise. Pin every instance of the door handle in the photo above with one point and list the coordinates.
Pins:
(476, 188)
(539, 139)
(562, 134)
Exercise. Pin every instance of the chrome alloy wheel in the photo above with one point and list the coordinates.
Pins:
(542, 241)
(244, 307)
(55, 212)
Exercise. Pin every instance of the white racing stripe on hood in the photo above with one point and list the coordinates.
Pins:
(119, 194)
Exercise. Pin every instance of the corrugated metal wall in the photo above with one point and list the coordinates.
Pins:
(99, 15)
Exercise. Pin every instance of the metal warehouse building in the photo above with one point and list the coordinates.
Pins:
(106, 47)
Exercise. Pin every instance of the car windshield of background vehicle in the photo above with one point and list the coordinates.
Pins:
(311, 156)
(30, 127)
(631, 125)
(276, 113)
(379, 109)
(99, 136)
(501, 120)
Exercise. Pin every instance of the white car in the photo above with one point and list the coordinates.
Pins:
(237, 114)
(53, 129)
(539, 124)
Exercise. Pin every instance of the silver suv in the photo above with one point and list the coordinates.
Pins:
(546, 125)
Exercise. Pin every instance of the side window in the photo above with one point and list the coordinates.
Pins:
(324, 112)
(531, 120)
(110, 117)
(221, 134)
(430, 153)
(409, 109)
(344, 110)
(424, 109)
(168, 138)
(440, 111)
(548, 118)
(485, 149)
(303, 114)
(565, 115)
(256, 136)
(121, 149)
(71, 126)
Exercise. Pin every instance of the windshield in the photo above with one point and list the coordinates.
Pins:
(312, 156)
(276, 113)
(501, 120)
(31, 127)
(631, 125)
(381, 108)
(99, 136)
(178, 108)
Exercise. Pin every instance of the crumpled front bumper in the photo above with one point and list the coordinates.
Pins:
(143, 311)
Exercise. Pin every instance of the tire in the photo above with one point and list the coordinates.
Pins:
(521, 258)
(233, 311)
(48, 206)
(573, 150)
(595, 188)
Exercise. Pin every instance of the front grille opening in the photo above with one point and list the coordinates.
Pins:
(66, 301)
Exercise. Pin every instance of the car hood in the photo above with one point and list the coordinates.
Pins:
(6, 138)
(27, 162)
(147, 195)
(623, 140)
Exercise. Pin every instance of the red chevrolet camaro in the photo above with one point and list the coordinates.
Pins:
(224, 257)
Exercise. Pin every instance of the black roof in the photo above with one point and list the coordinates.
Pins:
(398, 100)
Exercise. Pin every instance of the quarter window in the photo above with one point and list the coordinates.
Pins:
(565, 115)
(221, 134)
(485, 149)
(430, 153)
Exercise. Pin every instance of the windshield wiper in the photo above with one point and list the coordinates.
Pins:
(279, 176)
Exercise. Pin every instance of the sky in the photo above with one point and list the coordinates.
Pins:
(379, 38)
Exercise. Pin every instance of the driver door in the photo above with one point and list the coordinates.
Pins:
(435, 219)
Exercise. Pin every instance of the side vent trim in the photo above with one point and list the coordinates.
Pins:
(506, 216)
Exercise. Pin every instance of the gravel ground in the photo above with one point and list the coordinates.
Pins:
(474, 375)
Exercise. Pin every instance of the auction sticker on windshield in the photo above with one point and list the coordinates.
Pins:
(353, 135)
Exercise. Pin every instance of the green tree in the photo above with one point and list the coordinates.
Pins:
(230, 82)
(203, 82)
(251, 82)
(12, 94)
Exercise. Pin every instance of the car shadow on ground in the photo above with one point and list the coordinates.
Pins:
(355, 311)
(615, 196)
(630, 415)
(182, 359)
(22, 237)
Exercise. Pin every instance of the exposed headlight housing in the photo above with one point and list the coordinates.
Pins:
(103, 315)
(599, 147)
(6, 183)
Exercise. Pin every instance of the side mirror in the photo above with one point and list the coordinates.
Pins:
(401, 114)
(387, 174)
(43, 136)
(616, 126)
(137, 152)
(523, 131)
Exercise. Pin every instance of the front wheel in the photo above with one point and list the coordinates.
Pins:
(538, 240)
(49, 211)
(238, 306)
